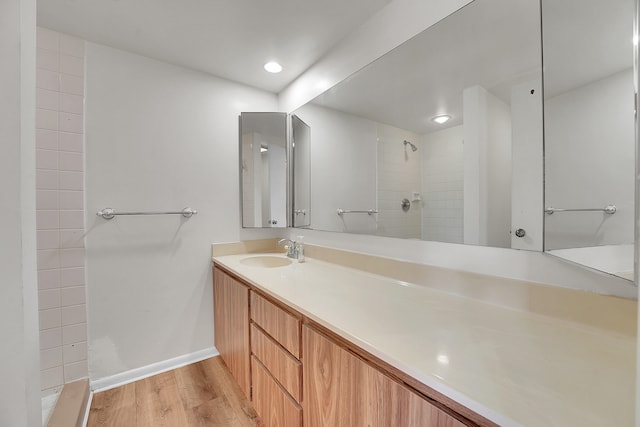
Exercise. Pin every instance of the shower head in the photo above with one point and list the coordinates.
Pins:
(413, 147)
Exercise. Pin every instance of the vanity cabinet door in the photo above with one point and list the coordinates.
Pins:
(403, 407)
(231, 326)
(340, 389)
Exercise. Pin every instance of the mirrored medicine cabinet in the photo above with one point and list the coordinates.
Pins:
(266, 172)
(263, 166)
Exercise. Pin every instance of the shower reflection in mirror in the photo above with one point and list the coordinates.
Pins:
(390, 137)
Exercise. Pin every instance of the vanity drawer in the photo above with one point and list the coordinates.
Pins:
(282, 326)
(275, 407)
(285, 368)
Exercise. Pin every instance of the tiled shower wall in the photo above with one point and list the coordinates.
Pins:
(398, 177)
(443, 185)
(60, 208)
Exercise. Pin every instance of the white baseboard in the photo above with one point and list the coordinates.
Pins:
(85, 419)
(127, 377)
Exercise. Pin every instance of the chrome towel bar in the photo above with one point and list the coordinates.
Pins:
(108, 213)
(610, 209)
(369, 212)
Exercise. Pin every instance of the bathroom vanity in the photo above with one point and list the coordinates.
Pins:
(328, 343)
(343, 385)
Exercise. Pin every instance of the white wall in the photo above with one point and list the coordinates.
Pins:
(487, 169)
(399, 170)
(158, 137)
(443, 185)
(589, 163)
(19, 361)
(343, 169)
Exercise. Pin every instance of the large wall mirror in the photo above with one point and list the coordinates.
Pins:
(386, 161)
(589, 132)
(263, 169)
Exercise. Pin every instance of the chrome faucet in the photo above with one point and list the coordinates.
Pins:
(292, 248)
(295, 250)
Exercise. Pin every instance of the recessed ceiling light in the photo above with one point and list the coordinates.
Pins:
(442, 118)
(273, 67)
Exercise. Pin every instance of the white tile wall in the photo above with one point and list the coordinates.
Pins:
(71, 219)
(52, 377)
(60, 208)
(51, 358)
(74, 333)
(50, 319)
(71, 103)
(75, 370)
(48, 279)
(46, 139)
(70, 142)
(74, 315)
(71, 200)
(46, 119)
(398, 177)
(443, 185)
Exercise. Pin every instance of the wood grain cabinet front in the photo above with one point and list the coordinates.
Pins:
(231, 326)
(271, 401)
(285, 368)
(276, 371)
(283, 326)
(341, 390)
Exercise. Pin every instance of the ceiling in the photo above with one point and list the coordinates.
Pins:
(232, 39)
(492, 43)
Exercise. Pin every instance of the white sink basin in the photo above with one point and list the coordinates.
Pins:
(266, 261)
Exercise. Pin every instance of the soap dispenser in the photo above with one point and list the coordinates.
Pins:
(300, 244)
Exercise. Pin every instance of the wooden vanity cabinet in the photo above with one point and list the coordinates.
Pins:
(231, 326)
(340, 389)
(297, 373)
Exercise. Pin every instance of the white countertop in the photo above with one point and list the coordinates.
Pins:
(512, 367)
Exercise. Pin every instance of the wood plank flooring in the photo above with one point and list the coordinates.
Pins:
(200, 394)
